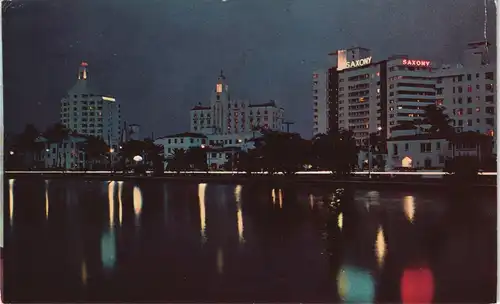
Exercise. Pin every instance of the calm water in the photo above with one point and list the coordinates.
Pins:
(124, 241)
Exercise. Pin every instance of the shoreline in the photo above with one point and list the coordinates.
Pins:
(324, 180)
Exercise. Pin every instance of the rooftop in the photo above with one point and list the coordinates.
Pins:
(185, 134)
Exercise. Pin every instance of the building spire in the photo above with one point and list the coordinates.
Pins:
(222, 75)
(82, 71)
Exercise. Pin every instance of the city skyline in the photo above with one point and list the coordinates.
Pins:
(161, 71)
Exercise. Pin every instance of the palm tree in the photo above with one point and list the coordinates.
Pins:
(95, 149)
(177, 161)
(26, 144)
(439, 122)
(283, 152)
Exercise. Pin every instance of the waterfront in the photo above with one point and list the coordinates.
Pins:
(159, 241)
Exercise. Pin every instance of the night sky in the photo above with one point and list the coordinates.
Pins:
(161, 57)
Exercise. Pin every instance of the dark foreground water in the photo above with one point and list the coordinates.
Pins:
(100, 241)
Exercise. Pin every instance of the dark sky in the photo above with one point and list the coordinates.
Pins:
(161, 57)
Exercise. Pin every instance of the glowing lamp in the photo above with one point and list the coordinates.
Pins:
(417, 286)
(137, 158)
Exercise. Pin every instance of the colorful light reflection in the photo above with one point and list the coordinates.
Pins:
(380, 247)
(409, 207)
(239, 213)
(417, 285)
(355, 285)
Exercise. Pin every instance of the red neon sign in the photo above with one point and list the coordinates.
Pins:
(420, 63)
(84, 64)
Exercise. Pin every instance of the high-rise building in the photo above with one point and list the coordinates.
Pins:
(88, 112)
(467, 91)
(370, 97)
(226, 116)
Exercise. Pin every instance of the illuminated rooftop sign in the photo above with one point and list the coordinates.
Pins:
(84, 64)
(417, 63)
(358, 63)
(108, 98)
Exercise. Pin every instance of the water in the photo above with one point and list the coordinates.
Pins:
(74, 240)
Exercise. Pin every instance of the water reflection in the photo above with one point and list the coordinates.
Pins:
(84, 273)
(120, 202)
(340, 220)
(273, 196)
(201, 203)
(280, 198)
(239, 213)
(11, 201)
(409, 207)
(111, 202)
(137, 200)
(108, 241)
(417, 285)
(355, 285)
(279, 255)
(220, 261)
(47, 205)
(380, 247)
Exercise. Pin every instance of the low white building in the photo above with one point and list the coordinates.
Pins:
(67, 154)
(217, 145)
(409, 149)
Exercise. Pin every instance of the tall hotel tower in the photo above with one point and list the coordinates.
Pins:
(88, 112)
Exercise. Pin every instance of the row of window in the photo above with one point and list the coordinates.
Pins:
(487, 87)
(460, 122)
(460, 78)
(487, 99)
(460, 111)
(424, 147)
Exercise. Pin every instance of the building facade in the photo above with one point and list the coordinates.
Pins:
(67, 154)
(371, 97)
(467, 91)
(225, 116)
(86, 111)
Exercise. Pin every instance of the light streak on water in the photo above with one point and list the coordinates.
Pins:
(111, 202)
(311, 201)
(380, 247)
(220, 261)
(47, 204)
(273, 196)
(409, 207)
(137, 198)
(201, 203)
(340, 221)
(280, 198)
(120, 202)
(239, 213)
(11, 200)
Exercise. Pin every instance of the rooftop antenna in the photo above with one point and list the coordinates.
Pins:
(485, 31)
(288, 123)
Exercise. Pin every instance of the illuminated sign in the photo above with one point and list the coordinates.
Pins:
(418, 63)
(219, 88)
(358, 63)
(84, 64)
(108, 98)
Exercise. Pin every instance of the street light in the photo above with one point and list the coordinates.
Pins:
(111, 150)
(11, 152)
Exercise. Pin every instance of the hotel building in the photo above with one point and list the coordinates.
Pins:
(467, 91)
(88, 112)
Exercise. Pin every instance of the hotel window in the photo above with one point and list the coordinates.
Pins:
(438, 146)
(469, 122)
(460, 90)
(425, 147)
(478, 109)
(469, 77)
(469, 110)
(395, 148)
(489, 75)
(469, 99)
(407, 146)
(460, 78)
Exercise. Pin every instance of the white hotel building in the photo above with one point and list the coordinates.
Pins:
(467, 91)
(370, 97)
(225, 126)
(88, 112)
(367, 97)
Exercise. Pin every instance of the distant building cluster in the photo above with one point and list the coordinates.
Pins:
(365, 96)
(225, 126)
